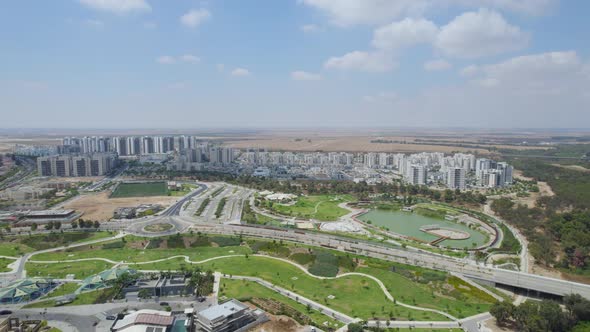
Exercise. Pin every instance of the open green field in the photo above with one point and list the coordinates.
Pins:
(18, 245)
(4, 263)
(140, 189)
(131, 255)
(356, 296)
(321, 207)
(80, 270)
(244, 290)
(185, 189)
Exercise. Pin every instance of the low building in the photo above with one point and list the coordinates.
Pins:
(124, 213)
(103, 279)
(144, 320)
(26, 290)
(226, 317)
(174, 285)
(45, 216)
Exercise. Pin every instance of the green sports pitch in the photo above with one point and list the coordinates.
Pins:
(142, 189)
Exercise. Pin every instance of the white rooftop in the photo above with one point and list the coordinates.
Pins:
(222, 310)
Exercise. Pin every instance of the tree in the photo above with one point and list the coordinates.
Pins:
(74, 224)
(49, 225)
(502, 311)
(355, 327)
(34, 227)
(57, 225)
(96, 224)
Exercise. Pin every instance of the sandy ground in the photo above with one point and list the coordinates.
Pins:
(491, 326)
(100, 207)
(352, 144)
(531, 201)
(573, 167)
(279, 324)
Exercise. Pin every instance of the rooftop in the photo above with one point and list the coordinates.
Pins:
(222, 310)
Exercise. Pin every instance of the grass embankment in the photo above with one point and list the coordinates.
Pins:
(92, 297)
(80, 270)
(252, 217)
(4, 264)
(246, 290)
(140, 189)
(321, 207)
(19, 245)
(64, 289)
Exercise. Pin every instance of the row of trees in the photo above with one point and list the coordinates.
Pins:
(543, 316)
(85, 224)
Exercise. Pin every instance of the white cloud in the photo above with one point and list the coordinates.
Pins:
(350, 12)
(118, 6)
(543, 73)
(437, 65)
(305, 76)
(240, 72)
(308, 28)
(479, 34)
(382, 97)
(166, 60)
(94, 23)
(190, 58)
(195, 17)
(362, 61)
(405, 33)
(469, 71)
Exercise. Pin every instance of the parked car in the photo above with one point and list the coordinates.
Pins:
(163, 304)
(111, 317)
(5, 312)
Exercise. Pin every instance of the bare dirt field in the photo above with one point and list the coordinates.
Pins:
(279, 324)
(574, 167)
(531, 201)
(7, 144)
(100, 207)
(362, 143)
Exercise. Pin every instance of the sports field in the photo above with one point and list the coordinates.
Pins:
(140, 189)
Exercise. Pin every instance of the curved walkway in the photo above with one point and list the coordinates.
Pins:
(300, 267)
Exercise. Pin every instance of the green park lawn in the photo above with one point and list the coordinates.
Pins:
(140, 255)
(13, 248)
(244, 290)
(19, 245)
(432, 295)
(80, 270)
(186, 189)
(140, 189)
(4, 263)
(356, 296)
(64, 289)
(320, 207)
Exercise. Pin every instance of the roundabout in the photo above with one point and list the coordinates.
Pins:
(158, 227)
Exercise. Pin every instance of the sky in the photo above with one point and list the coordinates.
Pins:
(294, 63)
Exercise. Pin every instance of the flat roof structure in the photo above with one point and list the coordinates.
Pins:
(144, 320)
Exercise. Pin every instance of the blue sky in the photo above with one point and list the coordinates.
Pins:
(294, 63)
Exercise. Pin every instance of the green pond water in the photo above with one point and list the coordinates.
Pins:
(408, 223)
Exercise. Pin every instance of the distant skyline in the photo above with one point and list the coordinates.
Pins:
(294, 64)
